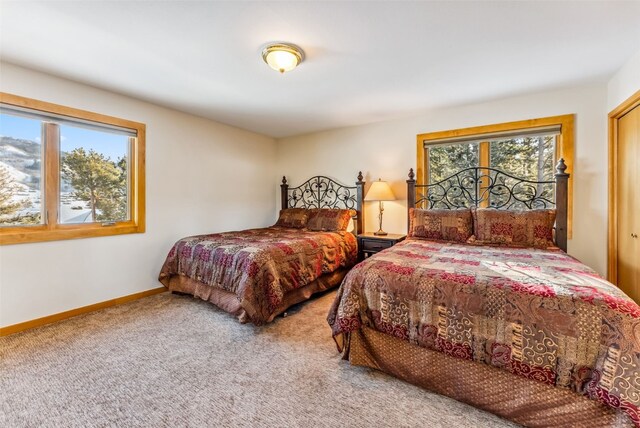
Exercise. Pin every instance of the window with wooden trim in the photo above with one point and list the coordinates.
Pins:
(67, 173)
(526, 149)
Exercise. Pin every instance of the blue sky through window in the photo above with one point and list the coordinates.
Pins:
(110, 144)
(19, 127)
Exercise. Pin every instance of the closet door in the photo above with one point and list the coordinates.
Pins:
(629, 203)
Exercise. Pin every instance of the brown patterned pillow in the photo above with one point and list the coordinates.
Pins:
(293, 217)
(532, 228)
(445, 225)
(326, 219)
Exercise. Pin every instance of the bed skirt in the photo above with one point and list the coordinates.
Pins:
(521, 400)
(229, 302)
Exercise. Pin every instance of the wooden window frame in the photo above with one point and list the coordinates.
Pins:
(51, 230)
(564, 146)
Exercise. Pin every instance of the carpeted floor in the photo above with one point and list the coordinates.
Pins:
(172, 361)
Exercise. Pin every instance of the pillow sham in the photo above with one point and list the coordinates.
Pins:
(329, 219)
(531, 228)
(293, 217)
(444, 225)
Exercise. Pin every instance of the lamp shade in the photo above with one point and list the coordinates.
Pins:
(379, 191)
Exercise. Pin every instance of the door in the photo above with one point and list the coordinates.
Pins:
(628, 197)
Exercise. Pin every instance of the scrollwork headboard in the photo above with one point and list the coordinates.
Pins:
(483, 187)
(324, 192)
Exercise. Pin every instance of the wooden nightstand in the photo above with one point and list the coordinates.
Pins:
(369, 244)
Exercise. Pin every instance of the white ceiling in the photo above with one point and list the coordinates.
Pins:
(365, 61)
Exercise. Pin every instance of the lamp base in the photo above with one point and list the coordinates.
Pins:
(380, 232)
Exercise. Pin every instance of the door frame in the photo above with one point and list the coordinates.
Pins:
(612, 251)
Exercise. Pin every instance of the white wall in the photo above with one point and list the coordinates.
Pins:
(202, 176)
(388, 149)
(624, 83)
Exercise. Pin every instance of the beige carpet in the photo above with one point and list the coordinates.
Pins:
(168, 361)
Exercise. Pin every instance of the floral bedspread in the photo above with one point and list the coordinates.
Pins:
(539, 314)
(260, 265)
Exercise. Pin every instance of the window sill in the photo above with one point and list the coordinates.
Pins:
(24, 235)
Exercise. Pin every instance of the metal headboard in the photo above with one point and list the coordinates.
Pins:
(491, 188)
(324, 192)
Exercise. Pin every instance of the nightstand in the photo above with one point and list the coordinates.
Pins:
(369, 244)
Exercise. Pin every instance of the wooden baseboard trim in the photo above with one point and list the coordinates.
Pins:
(16, 328)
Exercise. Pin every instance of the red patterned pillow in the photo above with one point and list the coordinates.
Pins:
(444, 225)
(326, 219)
(293, 217)
(532, 228)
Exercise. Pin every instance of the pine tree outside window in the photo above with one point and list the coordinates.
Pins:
(67, 173)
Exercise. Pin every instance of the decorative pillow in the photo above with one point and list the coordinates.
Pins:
(326, 219)
(532, 228)
(445, 225)
(293, 217)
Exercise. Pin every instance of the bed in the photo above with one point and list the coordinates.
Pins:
(530, 334)
(257, 274)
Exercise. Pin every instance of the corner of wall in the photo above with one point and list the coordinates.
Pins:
(624, 83)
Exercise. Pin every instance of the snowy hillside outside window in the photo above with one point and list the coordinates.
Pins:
(21, 167)
(67, 173)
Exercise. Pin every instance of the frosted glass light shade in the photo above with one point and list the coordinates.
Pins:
(380, 191)
(282, 57)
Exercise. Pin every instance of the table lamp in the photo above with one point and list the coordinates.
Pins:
(380, 191)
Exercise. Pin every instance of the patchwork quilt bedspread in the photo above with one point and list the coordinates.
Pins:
(260, 265)
(539, 314)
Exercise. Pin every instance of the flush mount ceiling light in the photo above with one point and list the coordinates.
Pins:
(282, 56)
